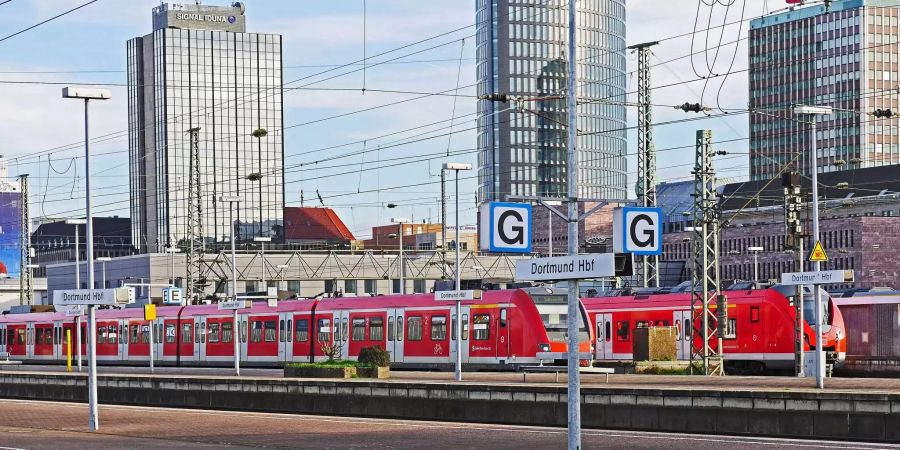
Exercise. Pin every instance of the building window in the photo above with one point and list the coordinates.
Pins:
(419, 286)
(349, 286)
(370, 286)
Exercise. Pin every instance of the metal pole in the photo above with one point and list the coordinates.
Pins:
(152, 342)
(172, 273)
(402, 287)
(78, 340)
(820, 355)
(444, 212)
(574, 392)
(77, 263)
(550, 232)
(262, 246)
(801, 372)
(755, 266)
(103, 286)
(458, 288)
(94, 418)
(236, 328)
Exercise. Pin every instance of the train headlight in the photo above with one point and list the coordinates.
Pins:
(544, 347)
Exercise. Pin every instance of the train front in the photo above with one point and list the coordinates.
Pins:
(552, 305)
(834, 333)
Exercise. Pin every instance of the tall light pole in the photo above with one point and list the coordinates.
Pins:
(573, 310)
(172, 251)
(88, 94)
(77, 222)
(281, 269)
(103, 260)
(400, 221)
(457, 167)
(235, 336)
(262, 243)
(755, 251)
(814, 112)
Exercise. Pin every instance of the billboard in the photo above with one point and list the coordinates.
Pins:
(10, 234)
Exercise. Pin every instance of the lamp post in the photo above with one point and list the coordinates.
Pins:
(77, 222)
(457, 167)
(172, 251)
(262, 243)
(281, 269)
(400, 221)
(235, 336)
(88, 94)
(755, 251)
(814, 112)
(103, 260)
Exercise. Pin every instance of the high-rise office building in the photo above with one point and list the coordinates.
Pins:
(521, 51)
(199, 68)
(841, 54)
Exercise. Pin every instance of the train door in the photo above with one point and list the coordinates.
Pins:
(285, 324)
(604, 336)
(324, 332)
(29, 340)
(503, 334)
(341, 330)
(59, 341)
(301, 338)
(465, 334)
(200, 338)
(394, 343)
(682, 321)
(3, 338)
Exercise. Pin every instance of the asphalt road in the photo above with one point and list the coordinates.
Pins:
(28, 424)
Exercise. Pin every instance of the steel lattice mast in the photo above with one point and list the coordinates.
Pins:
(25, 287)
(705, 290)
(646, 154)
(194, 235)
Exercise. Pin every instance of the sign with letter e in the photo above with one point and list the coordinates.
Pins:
(637, 230)
(506, 227)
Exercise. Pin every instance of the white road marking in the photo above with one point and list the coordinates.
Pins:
(497, 428)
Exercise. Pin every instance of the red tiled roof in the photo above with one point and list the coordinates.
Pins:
(302, 223)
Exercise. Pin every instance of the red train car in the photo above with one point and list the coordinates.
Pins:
(759, 335)
(503, 329)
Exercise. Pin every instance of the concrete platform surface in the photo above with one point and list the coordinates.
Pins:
(744, 383)
(51, 425)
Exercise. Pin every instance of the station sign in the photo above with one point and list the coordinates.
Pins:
(637, 230)
(234, 304)
(597, 265)
(173, 296)
(457, 295)
(820, 277)
(90, 296)
(507, 227)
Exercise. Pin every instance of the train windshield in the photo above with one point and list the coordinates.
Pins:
(809, 304)
(553, 309)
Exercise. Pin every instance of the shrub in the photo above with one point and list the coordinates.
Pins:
(374, 356)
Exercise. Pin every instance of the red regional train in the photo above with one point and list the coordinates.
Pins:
(759, 335)
(503, 329)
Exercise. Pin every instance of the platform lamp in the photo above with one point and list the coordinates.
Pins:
(77, 222)
(235, 329)
(457, 167)
(400, 221)
(755, 251)
(103, 260)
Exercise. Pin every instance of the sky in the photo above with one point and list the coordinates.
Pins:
(331, 117)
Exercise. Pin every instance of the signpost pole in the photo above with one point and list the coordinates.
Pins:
(78, 340)
(93, 415)
(151, 347)
(820, 355)
(458, 288)
(68, 350)
(574, 391)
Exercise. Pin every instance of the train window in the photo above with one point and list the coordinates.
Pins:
(256, 329)
(481, 326)
(160, 334)
(687, 329)
(187, 331)
(359, 330)
(399, 328)
(324, 330)
(438, 328)
(623, 330)
(390, 328)
(101, 335)
(243, 330)
(677, 330)
(503, 317)
(731, 330)
(302, 330)
(227, 331)
(201, 333)
(283, 331)
(198, 333)
(212, 332)
(135, 329)
(123, 332)
(20, 336)
(754, 313)
(170, 333)
(288, 334)
(145, 334)
(608, 328)
(270, 331)
(376, 329)
(113, 336)
(453, 327)
(465, 324)
(39, 334)
(344, 329)
(414, 328)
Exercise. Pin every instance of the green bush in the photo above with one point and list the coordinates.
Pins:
(325, 364)
(374, 356)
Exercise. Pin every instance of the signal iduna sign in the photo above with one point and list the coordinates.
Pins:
(598, 265)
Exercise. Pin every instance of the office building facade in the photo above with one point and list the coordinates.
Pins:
(521, 51)
(842, 54)
(199, 68)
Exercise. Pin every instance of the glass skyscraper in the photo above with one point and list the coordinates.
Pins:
(200, 68)
(521, 46)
